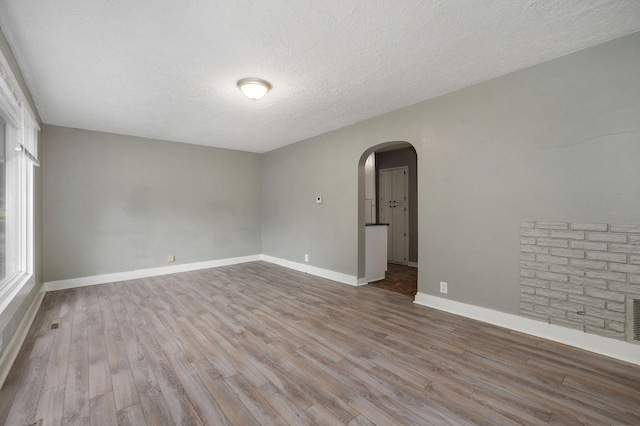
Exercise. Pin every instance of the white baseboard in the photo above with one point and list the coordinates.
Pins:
(601, 345)
(413, 264)
(173, 269)
(319, 272)
(145, 273)
(13, 347)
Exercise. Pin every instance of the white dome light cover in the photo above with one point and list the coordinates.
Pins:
(254, 88)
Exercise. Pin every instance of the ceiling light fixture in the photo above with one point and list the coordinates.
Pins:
(254, 88)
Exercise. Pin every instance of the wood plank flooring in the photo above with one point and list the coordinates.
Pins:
(260, 344)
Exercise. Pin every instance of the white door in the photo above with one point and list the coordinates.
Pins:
(399, 220)
(399, 181)
(393, 202)
(385, 188)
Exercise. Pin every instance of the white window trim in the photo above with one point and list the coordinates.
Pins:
(19, 117)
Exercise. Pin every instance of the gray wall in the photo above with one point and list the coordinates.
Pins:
(398, 158)
(558, 141)
(293, 224)
(115, 203)
(12, 315)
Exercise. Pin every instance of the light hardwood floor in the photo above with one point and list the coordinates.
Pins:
(259, 344)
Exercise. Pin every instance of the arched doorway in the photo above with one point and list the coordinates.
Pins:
(381, 169)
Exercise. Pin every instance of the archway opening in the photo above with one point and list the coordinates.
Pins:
(388, 193)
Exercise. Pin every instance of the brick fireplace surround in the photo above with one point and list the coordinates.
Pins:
(580, 275)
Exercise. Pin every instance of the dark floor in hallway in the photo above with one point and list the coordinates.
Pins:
(400, 279)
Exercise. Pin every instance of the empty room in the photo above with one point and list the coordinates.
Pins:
(321, 212)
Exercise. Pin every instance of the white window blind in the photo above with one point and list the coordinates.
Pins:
(28, 137)
(17, 113)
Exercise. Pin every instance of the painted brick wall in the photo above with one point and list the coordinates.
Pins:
(579, 275)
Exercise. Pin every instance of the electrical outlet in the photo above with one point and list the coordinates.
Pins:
(171, 258)
(306, 257)
(443, 287)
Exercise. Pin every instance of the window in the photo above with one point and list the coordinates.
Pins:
(10, 215)
(18, 156)
(3, 201)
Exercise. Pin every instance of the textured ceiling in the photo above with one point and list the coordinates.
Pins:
(168, 69)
